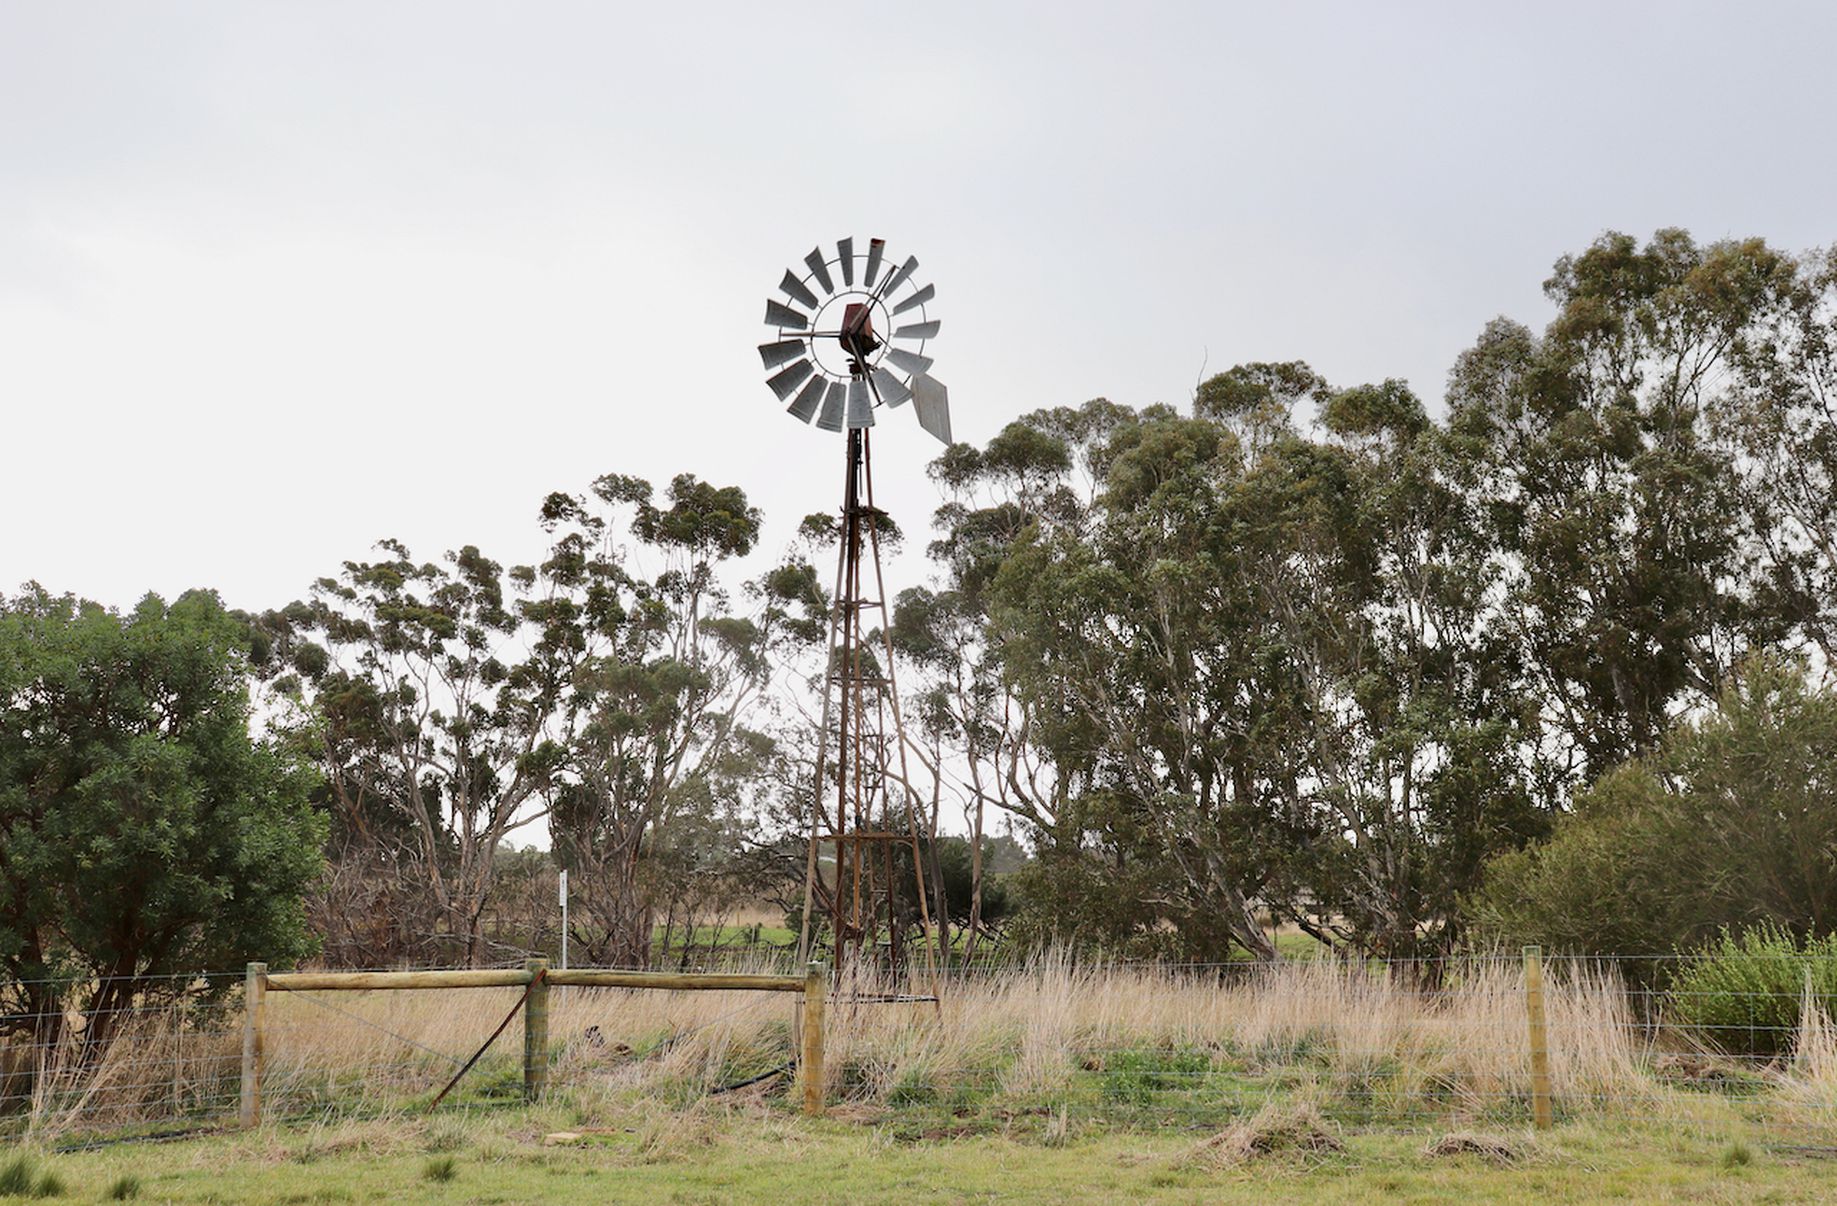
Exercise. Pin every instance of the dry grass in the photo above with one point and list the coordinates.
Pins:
(166, 1061)
(1039, 1026)
(1055, 1038)
(1811, 1078)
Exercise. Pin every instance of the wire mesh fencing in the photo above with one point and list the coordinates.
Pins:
(117, 1053)
(1052, 1044)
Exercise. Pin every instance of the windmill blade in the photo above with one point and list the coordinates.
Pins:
(899, 278)
(917, 299)
(860, 403)
(775, 354)
(794, 289)
(820, 270)
(875, 248)
(918, 330)
(931, 402)
(785, 383)
(911, 362)
(831, 418)
(779, 315)
(845, 256)
(891, 389)
(805, 404)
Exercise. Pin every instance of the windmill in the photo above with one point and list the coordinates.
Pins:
(849, 344)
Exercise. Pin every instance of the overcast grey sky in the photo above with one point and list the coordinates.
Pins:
(279, 279)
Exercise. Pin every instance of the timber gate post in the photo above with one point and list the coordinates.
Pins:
(1540, 1036)
(810, 1059)
(254, 989)
(536, 1030)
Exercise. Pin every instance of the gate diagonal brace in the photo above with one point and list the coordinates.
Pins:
(534, 980)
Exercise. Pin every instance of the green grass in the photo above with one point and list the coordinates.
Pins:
(730, 937)
(1298, 946)
(758, 1152)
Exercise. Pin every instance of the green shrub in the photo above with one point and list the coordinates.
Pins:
(1732, 821)
(1742, 992)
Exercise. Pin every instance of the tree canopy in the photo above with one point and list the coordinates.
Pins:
(143, 831)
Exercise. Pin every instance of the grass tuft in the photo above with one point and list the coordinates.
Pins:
(1058, 1130)
(445, 1136)
(1276, 1129)
(440, 1169)
(20, 1179)
(16, 1177)
(123, 1188)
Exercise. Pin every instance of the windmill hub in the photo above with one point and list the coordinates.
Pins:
(850, 323)
(857, 337)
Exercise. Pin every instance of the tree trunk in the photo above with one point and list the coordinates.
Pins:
(975, 922)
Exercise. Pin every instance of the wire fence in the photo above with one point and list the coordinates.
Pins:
(1054, 1043)
(111, 1054)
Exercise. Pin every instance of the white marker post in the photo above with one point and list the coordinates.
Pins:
(563, 893)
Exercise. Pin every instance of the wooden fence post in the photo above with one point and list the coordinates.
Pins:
(536, 1030)
(810, 1060)
(254, 988)
(1540, 1038)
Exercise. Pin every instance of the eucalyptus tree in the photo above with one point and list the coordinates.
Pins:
(1329, 666)
(1420, 755)
(439, 725)
(1782, 427)
(1262, 667)
(603, 692)
(1635, 585)
(1039, 471)
(669, 690)
(1136, 636)
(1660, 465)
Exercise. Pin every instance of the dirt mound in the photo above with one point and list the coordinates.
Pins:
(1487, 1147)
(1273, 1131)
